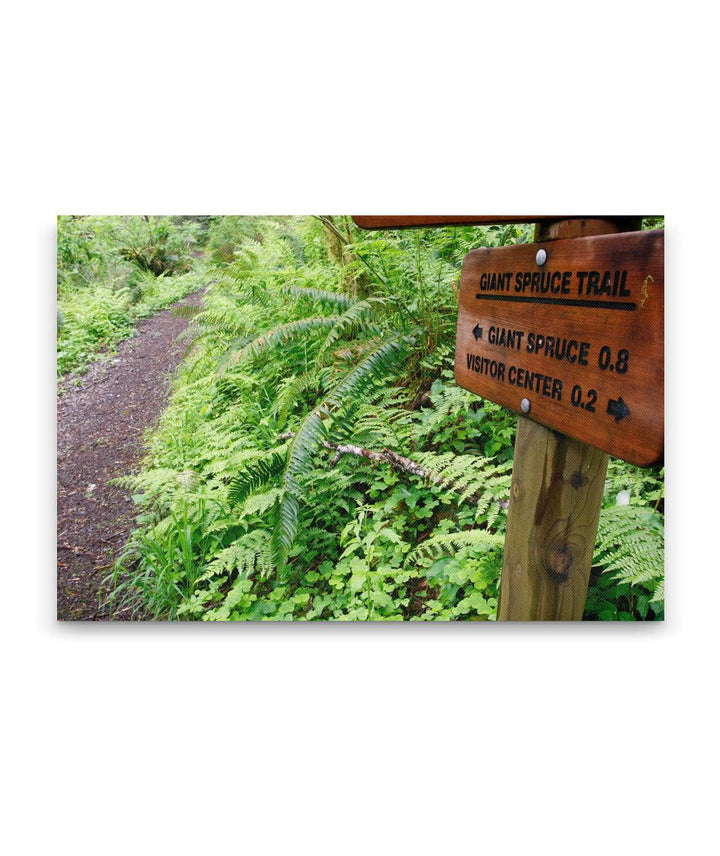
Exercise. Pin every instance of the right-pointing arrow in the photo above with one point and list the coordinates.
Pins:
(618, 409)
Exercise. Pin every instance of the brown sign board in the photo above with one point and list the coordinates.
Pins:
(574, 340)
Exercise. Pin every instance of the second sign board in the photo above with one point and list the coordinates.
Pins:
(571, 334)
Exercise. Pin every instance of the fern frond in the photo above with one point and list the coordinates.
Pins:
(259, 503)
(308, 439)
(630, 545)
(381, 363)
(254, 475)
(441, 545)
(256, 294)
(249, 555)
(318, 295)
(292, 390)
(349, 322)
(235, 458)
(227, 315)
(228, 357)
(283, 334)
(384, 427)
(468, 476)
(372, 430)
(244, 264)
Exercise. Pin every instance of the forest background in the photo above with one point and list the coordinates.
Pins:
(317, 459)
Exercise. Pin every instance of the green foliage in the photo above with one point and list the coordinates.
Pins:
(115, 270)
(629, 551)
(255, 474)
(483, 481)
(157, 245)
(653, 223)
(91, 318)
(450, 542)
(629, 544)
(308, 359)
(226, 235)
(283, 335)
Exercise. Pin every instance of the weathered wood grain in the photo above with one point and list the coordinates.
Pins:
(555, 500)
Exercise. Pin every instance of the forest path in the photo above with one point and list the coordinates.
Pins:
(100, 429)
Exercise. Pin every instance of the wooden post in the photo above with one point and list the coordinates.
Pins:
(556, 495)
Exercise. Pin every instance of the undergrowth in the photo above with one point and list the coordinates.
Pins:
(113, 271)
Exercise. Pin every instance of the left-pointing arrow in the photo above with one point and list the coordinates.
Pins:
(477, 332)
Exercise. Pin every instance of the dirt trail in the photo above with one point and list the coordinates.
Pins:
(100, 429)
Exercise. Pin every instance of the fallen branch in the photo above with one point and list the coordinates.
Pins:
(396, 461)
(387, 456)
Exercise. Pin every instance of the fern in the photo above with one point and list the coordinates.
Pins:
(448, 543)
(283, 334)
(228, 359)
(259, 503)
(257, 294)
(301, 456)
(466, 477)
(254, 475)
(317, 295)
(388, 426)
(378, 366)
(249, 554)
(307, 440)
(349, 322)
(226, 315)
(244, 265)
(192, 331)
(630, 545)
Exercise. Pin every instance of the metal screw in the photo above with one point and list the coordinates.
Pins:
(541, 257)
(525, 405)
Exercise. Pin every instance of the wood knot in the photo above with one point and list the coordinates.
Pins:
(578, 480)
(559, 563)
(516, 490)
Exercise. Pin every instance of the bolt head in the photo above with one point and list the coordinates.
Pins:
(541, 257)
(525, 405)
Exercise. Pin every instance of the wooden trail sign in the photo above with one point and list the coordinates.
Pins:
(570, 333)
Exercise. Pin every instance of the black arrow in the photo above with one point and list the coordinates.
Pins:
(618, 409)
(477, 332)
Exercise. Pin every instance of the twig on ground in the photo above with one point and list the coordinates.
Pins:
(385, 457)
(74, 549)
